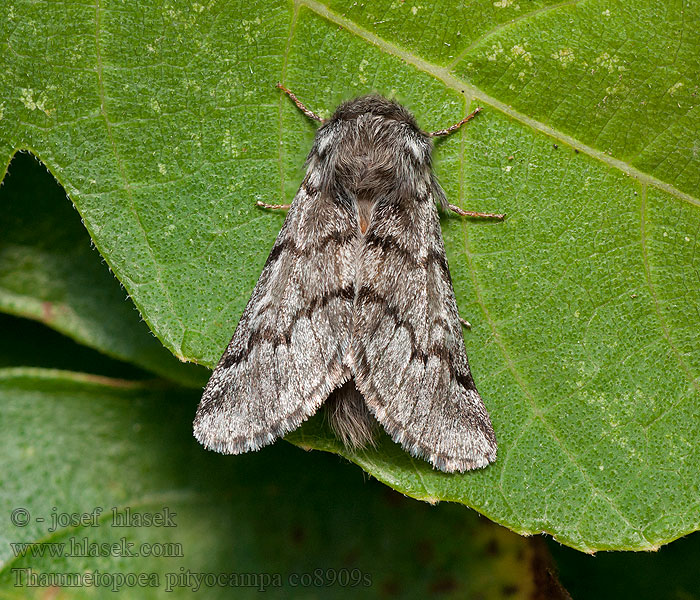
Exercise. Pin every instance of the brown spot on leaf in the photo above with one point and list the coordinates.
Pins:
(47, 314)
(393, 498)
(492, 548)
(391, 588)
(425, 551)
(50, 593)
(351, 558)
(444, 585)
(298, 535)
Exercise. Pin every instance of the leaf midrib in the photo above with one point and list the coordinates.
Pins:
(472, 92)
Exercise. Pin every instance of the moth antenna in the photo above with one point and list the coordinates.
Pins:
(309, 113)
(456, 126)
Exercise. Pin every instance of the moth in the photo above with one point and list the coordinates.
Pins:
(355, 306)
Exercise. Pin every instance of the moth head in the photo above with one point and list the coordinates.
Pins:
(371, 142)
(375, 105)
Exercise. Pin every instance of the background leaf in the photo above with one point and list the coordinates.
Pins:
(254, 516)
(164, 127)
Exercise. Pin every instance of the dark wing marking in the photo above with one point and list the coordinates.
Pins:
(286, 353)
(407, 352)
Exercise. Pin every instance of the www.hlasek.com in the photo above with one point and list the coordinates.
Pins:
(27, 577)
(83, 547)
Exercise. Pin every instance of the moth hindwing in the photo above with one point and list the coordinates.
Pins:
(355, 306)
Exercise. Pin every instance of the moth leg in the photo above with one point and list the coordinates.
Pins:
(464, 322)
(456, 126)
(309, 113)
(274, 206)
(476, 215)
(453, 208)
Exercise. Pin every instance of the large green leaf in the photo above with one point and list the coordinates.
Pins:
(163, 125)
(291, 524)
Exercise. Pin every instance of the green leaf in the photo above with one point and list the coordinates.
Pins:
(49, 272)
(163, 125)
(278, 513)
